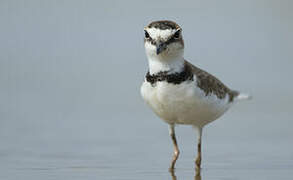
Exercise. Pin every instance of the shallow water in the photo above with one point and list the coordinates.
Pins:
(77, 162)
(70, 73)
(144, 150)
(253, 140)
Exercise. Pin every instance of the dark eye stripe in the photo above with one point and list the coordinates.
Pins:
(150, 40)
(173, 39)
(169, 41)
(177, 34)
(146, 34)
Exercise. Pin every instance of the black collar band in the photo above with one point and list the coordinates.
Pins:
(174, 78)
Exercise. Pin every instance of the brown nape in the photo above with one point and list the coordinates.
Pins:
(164, 25)
(210, 84)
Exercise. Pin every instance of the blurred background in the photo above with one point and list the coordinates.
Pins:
(70, 77)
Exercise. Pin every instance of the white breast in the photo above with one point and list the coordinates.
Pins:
(183, 103)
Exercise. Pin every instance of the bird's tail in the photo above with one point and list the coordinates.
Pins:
(243, 96)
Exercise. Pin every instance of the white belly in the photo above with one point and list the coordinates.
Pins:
(183, 103)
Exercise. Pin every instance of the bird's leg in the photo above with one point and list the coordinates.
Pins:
(173, 175)
(198, 159)
(176, 150)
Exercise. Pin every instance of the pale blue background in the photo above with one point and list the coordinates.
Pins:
(70, 74)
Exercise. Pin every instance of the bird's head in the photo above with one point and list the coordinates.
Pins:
(163, 40)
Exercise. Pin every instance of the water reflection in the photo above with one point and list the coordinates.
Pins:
(173, 175)
(196, 177)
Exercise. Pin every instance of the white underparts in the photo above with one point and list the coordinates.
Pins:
(183, 103)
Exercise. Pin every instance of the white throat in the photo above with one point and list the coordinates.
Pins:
(171, 65)
(171, 59)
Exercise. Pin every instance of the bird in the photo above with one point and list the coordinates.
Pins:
(179, 92)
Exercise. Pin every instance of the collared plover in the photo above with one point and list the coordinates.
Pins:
(177, 91)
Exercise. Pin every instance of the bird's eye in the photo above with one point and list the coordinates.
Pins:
(146, 34)
(177, 34)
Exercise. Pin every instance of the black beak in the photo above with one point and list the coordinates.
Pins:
(161, 47)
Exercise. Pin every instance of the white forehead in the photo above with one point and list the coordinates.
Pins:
(156, 33)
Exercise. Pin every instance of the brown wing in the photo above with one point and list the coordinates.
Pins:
(210, 84)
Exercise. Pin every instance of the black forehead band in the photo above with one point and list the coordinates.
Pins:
(163, 25)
